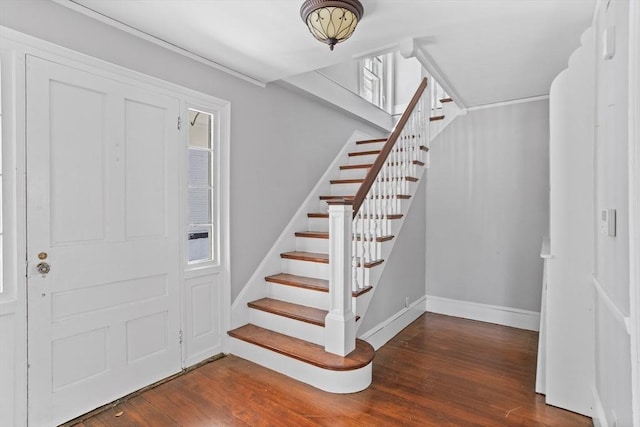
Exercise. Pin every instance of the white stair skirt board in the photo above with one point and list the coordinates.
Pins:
(506, 316)
(383, 332)
(599, 417)
(340, 382)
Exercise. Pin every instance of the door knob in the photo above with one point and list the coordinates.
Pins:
(43, 268)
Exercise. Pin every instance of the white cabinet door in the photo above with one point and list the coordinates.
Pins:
(102, 213)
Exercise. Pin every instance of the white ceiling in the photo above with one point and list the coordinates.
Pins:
(489, 50)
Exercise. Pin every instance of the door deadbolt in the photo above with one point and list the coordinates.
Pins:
(43, 268)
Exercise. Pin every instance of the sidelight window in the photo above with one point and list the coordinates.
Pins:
(201, 191)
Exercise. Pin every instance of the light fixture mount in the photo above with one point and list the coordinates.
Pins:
(331, 21)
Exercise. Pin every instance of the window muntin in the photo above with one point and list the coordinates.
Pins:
(372, 80)
(201, 213)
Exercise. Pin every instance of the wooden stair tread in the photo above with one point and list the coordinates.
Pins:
(422, 147)
(379, 239)
(415, 162)
(332, 197)
(371, 141)
(313, 234)
(311, 283)
(305, 351)
(364, 153)
(436, 118)
(408, 178)
(312, 315)
(371, 264)
(347, 181)
(306, 256)
(325, 235)
(361, 166)
(326, 215)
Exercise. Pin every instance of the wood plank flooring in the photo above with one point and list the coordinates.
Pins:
(439, 371)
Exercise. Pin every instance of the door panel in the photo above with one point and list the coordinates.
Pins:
(105, 320)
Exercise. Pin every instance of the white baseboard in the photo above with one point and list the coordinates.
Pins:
(380, 334)
(514, 317)
(599, 418)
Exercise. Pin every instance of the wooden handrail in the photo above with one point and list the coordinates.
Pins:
(386, 150)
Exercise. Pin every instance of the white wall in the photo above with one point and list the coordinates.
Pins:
(487, 204)
(408, 74)
(613, 352)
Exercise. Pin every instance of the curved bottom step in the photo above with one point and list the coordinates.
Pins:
(304, 361)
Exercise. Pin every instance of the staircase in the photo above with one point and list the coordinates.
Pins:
(300, 311)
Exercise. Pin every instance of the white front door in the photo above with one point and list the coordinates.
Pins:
(102, 214)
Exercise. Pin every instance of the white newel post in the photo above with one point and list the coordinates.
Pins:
(340, 323)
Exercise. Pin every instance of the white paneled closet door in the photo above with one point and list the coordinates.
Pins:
(102, 217)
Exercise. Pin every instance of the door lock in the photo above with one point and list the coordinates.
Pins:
(43, 268)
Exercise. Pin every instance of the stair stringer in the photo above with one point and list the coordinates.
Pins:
(256, 287)
(450, 111)
(361, 303)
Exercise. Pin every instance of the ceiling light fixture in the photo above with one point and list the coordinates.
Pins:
(331, 21)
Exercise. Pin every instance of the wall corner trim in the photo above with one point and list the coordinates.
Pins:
(506, 316)
(599, 418)
(613, 308)
(380, 334)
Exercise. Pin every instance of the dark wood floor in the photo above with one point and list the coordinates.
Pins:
(439, 371)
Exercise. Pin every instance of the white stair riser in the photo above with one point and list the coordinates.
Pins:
(344, 189)
(306, 268)
(353, 173)
(297, 295)
(324, 379)
(284, 325)
(400, 209)
(308, 244)
(319, 224)
(370, 146)
(362, 160)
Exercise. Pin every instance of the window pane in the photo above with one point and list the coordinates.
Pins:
(199, 206)
(199, 244)
(199, 168)
(200, 129)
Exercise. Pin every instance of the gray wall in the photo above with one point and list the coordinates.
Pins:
(404, 273)
(281, 142)
(487, 206)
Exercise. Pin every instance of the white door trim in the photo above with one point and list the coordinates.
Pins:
(13, 408)
(634, 203)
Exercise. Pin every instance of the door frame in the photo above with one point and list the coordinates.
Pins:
(14, 46)
(634, 204)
